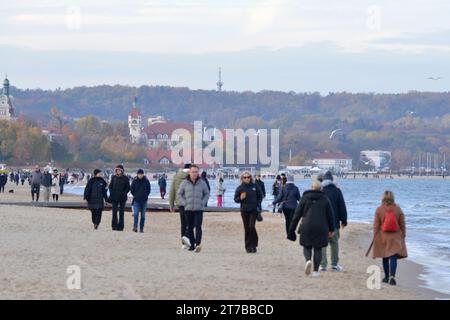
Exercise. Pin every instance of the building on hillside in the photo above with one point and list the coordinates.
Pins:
(6, 102)
(377, 159)
(335, 161)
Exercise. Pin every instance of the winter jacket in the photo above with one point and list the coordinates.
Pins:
(36, 177)
(47, 180)
(289, 196)
(220, 189)
(55, 185)
(252, 199)
(193, 195)
(386, 244)
(276, 186)
(176, 182)
(3, 179)
(336, 198)
(140, 189)
(95, 192)
(317, 219)
(119, 188)
(162, 183)
(262, 187)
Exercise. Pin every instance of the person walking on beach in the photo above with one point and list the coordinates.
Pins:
(55, 185)
(179, 177)
(220, 192)
(47, 184)
(36, 180)
(162, 183)
(22, 178)
(316, 228)
(336, 198)
(276, 189)
(289, 198)
(16, 178)
(140, 189)
(205, 178)
(118, 195)
(389, 236)
(95, 193)
(3, 181)
(249, 196)
(262, 187)
(193, 194)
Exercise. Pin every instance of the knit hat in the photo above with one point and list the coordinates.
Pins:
(328, 176)
(320, 177)
(140, 171)
(119, 166)
(97, 171)
(187, 166)
(290, 178)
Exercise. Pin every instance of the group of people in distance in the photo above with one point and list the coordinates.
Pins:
(317, 215)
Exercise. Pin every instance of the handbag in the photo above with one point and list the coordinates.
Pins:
(259, 216)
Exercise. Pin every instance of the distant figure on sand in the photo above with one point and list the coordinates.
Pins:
(316, 228)
(162, 183)
(389, 236)
(36, 180)
(276, 189)
(3, 181)
(262, 187)
(55, 185)
(220, 192)
(336, 198)
(193, 194)
(205, 178)
(118, 195)
(140, 189)
(174, 201)
(288, 199)
(249, 196)
(47, 184)
(96, 194)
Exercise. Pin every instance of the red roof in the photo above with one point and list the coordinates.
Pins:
(135, 113)
(331, 155)
(155, 155)
(166, 128)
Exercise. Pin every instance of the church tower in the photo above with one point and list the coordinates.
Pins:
(135, 123)
(6, 102)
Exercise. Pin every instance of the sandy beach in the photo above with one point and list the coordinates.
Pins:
(37, 245)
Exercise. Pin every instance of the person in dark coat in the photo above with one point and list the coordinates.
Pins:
(262, 187)
(316, 227)
(276, 189)
(249, 196)
(289, 198)
(3, 181)
(118, 195)
(205, 178)
(140, 189)
(95, 193)
(162, 183)
(336, 198)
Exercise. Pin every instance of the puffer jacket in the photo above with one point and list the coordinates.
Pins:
(253, 197)
(175, 186)
(140, 189)
(95, 193)
(119, 188)
(289, 196)
(193, 195)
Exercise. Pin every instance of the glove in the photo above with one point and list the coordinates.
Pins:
(292, 236)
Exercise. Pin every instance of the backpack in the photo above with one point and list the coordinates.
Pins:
(390, 223)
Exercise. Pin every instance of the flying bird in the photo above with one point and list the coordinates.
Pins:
(334, 132)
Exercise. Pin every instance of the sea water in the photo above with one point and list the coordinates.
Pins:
(425, 202)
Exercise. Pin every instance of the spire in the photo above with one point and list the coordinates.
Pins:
(220, 83)
(6, 86)
(135, 102)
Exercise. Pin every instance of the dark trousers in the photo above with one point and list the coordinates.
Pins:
(194, 221)
(162, 191)
(183, 221)
(308, 252)
(96, 216)
(118, 207)
(35, 189)
(55, 197)
(251, 236)
(288, 215)
(2, 188)
(390, 266)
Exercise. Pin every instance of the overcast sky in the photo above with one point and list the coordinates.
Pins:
(328, 45)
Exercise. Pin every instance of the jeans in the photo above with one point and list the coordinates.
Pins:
(288, 215)
(183, 221)
(139, 207)
(96, 216)
(308, 252)
(35, 189)
(390, 266)
(194, 221)
(251, 236)
(334, 247)
(118, 224)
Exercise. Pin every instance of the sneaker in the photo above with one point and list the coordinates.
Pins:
(308, 267)
(185, 240)
(322, 269)
(385, 280)
(134, 229)
(316, 274)
(392, 281)
(184, 247)
(198, 248)
(141, 231)
(336, 268)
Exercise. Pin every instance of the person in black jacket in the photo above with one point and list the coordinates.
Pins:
(95, 193)
(336, 198)
(288, 199)
(118, 195)
(162, 183)
(140, 189)
(249, 196)
(262, 187)
(204, 177)
(316, 228)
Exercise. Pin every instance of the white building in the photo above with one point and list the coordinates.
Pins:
(337, 162)
(378, 159)
(6, 102)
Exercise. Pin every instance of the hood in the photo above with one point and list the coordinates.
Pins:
(289, 185)
(313, 194)
(327, 183)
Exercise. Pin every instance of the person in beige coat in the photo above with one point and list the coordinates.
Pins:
(389, 236)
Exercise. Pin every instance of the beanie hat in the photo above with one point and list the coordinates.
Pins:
(140, 171)
(97, 171)
(187, 166)
(320, 177)
(328, 176)
(119, 166)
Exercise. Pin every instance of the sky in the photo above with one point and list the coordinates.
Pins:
(302, 46)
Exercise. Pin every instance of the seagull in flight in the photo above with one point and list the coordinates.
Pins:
(334, 132)
(434, 78)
